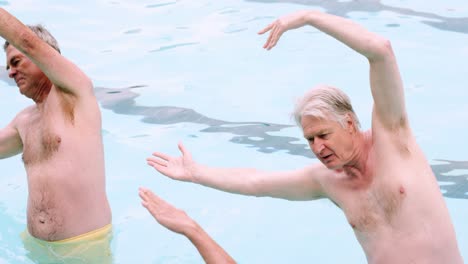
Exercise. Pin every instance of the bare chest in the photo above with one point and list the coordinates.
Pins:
(43, 137)
(379, 204)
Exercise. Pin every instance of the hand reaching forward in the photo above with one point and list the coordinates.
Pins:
(178, 168)
(167, 215)
(281, 25)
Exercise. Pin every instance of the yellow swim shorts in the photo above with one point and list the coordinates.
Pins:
(89, 248)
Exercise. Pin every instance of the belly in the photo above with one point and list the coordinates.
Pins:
(46, 216)
(415, 248)
(65, 201)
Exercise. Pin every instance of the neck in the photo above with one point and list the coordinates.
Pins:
(43, 88)
(357, 166)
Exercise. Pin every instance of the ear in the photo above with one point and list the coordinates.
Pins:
(350, 126)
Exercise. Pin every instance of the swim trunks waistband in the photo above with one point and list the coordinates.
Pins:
(92, 235)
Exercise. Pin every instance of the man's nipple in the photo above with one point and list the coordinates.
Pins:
(402, 190)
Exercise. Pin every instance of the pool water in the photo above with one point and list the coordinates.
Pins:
(194, 71)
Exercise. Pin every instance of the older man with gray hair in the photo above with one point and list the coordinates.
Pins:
(68, 214)
(380, 178)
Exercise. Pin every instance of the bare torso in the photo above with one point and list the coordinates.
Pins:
(396, 208)
(64, 161)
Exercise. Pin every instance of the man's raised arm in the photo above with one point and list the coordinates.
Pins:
(385, 80)
(61, 72)
(303, 184)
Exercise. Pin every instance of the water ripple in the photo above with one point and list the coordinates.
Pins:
(133, 31)
(163, 48)
(160, 5)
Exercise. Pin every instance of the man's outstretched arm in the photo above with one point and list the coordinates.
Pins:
(302, 184)
(178, 221)
(385, 80)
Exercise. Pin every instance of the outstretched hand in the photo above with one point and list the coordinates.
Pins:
(281, 25)
(167, 215)
(178, 168)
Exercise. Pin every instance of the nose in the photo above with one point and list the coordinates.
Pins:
(317, 146)
(12, 72)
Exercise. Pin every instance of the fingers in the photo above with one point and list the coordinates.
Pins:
(162, 156)
(143, 193)
(275, 34)
(162, 169)
(274, 37)
(153, 161)
(182, 148)
(267, 28)
(150, 201)
(267, 43)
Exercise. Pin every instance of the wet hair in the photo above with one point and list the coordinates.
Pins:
(43, 34)
(325, 102)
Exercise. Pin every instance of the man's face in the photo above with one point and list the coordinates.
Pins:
(330, 142)
(25, 73)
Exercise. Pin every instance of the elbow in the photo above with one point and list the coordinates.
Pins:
(87, 84)
(257, 188)
(380, 49)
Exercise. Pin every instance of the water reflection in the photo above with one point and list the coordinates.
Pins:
(252, 134)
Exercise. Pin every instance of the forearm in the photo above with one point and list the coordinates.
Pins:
(207, 247)
(234, 180)
(369, 44)
(16, 33)
(298, 185)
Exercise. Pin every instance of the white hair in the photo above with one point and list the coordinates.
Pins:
(43, 34)
(325, 102)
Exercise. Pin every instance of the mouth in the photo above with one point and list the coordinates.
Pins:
(326, 157)
(18, 80)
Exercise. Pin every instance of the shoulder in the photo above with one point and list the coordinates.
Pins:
(317, 169)
(25, 114)
(318, 173)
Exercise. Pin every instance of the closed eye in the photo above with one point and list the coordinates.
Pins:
(13, 62)
(324, 136)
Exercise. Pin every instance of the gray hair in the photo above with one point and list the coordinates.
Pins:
(325, 102)
(43, 34)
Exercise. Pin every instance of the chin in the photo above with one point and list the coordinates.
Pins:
(334, 166)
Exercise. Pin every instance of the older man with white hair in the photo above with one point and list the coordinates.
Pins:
(379, 178)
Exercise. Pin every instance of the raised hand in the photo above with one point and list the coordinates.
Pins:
(178, 168)
(281, 25)
(167, 215)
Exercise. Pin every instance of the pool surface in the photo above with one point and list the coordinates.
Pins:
(195, 71)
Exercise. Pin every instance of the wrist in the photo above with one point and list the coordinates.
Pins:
(308, 16)
(192, 230)
(196, 172)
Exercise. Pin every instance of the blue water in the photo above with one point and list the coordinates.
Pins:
(195, 71)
